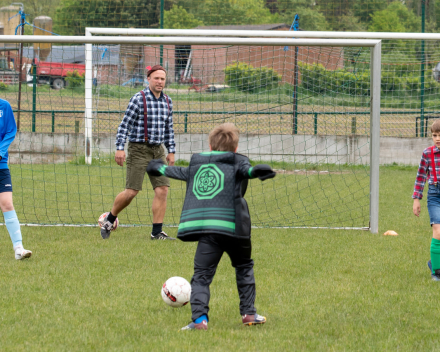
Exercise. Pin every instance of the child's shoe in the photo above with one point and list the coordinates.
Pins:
(253, 319)
(193, 326)
(21, 253)
(436, 276)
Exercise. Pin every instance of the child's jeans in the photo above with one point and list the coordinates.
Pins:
(209, 252)
(434, 203)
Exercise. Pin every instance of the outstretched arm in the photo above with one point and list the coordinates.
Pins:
(156, 167)
(262, 171)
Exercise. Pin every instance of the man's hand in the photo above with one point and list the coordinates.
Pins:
(416, 207)
(154, 166)
(263, 172)
(120, 157)
(170, 159)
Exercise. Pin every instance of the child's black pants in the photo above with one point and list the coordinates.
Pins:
(209, 252)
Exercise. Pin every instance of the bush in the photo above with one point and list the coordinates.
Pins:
(246, 78)
(74, 79)
(3, 86)
(317, 79)
(401, 81)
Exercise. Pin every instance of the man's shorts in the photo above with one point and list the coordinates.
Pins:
(139, 155)
(5, 181)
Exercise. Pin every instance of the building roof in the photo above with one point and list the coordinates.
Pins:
(102, 54)
(249, 27)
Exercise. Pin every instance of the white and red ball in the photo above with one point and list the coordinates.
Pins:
(102, 218)
(176, 292)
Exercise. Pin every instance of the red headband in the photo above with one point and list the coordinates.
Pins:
(153, 69)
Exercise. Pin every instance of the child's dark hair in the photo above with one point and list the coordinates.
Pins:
(435, 126)
(224, 137)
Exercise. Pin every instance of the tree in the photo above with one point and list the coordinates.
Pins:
(177, 17)
(233, 12)
(74, 15)
(365, 8)
(310, 19)
(395, 18)
(226, 12)
(349, 22)
(272, 6)
(350, 15)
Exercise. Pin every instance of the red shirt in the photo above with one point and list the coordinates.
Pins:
(425, 171)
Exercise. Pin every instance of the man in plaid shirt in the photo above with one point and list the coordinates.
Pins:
(144, 145)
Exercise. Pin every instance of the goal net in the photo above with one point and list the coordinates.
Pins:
(306, 110)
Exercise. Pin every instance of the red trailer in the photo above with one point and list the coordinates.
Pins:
(55, 73)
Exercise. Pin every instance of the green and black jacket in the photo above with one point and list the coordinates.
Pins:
(215, 185)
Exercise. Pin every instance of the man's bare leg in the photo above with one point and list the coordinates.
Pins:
(159, 208)
(122, 200)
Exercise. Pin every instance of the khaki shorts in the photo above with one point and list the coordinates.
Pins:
(139, 155)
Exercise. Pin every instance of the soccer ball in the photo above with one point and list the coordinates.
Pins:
(176, 292)
(102, 218)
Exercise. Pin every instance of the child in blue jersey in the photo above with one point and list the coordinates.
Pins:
(8, 130)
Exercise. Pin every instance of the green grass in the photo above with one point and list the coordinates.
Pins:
(302, 195)
(321, 290)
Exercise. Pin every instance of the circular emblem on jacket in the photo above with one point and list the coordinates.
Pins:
(208, 182)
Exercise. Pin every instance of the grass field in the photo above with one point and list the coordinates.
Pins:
(300, 195)
(321, 290)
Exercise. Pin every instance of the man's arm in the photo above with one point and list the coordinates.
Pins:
(169, 142)
(124, 128)
(11, 131)
(170, 159)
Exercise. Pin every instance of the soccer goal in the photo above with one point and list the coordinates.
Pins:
(301, 105)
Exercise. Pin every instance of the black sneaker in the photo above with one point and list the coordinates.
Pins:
(161, 236)
(106, 228)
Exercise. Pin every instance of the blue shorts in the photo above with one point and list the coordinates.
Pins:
(5, 181)
(434, 203)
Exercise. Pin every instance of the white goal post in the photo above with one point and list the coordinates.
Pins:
(375, 46)
(268, 40)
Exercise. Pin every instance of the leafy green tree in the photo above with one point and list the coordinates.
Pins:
(365, 8)
(310, 19)
(74, 15)
(351, 23)
(226, 12)
(178, 17)
(395, 18)
(233, 12)
(272, 5)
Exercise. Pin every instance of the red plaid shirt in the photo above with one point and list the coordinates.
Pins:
(425, 171)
